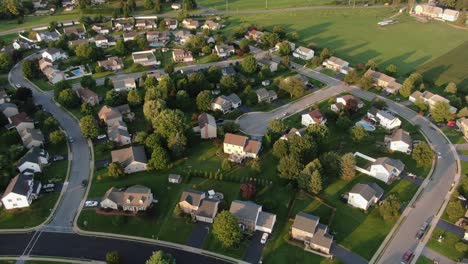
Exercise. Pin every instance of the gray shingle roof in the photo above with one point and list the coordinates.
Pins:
(368, 191)
(306, 222)
(193, 197)
(208, 208)
(245, 210)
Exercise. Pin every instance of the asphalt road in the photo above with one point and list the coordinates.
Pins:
(80, 162)
(88, 247)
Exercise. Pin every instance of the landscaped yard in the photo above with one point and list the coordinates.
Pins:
(456, 137)
(447, 246)
(423, 260)
(363, 39)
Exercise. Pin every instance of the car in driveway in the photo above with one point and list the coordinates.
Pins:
(18, 85)
(58, 157)
(91, 203)
(407, 257)
(264, 238)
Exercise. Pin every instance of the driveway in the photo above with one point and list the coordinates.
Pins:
(255, 249)
(449, 227)
(102, 162)
(199, 233)
(346, 256)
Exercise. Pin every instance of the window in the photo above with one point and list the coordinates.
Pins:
(10, 200)
(15, 205)
(18, 199)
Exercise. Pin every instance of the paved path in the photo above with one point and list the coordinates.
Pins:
(449, 227)
(346, 256)
(431, 254)
(462, 146)
(199, 233)
(255, 248)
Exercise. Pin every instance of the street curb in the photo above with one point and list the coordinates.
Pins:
(51, 259)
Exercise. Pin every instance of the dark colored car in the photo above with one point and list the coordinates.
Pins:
(419, 235)
(407, 257)
(84, 183)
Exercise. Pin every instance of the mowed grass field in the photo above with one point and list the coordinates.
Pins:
(234, 5)
(355, 36)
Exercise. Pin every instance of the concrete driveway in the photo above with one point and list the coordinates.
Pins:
(199, 233)
(255, 249)
(346, 256)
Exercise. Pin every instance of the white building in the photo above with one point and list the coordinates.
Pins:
(33, 161)
(54, 54)
(313, 117)
(239, 147)
(387, 120)
(126, 84)
(21, 191)
(386, 169)
(400, 140)
(303, 53)
(207, 126)
(365, 195)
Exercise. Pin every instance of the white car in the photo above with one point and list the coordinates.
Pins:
(91, 203)
(264, 238)
(18, 85)
(101, 136)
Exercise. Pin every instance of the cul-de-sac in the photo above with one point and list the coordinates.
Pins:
(234, 131)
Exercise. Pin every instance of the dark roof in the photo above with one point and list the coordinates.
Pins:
(367, 191)
(245, 210)
(128, 155)
(306, 222)
(19, 185)
(205, 119)
(208, 208)
(389, 163)
(193, 197)
(32, 155)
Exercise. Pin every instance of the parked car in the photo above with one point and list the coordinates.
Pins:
(264, 238)
(407, 257)
(424, 226)
(70, 139)
(58, 157)
(84, 183)
(91, 203)
(18, 85)
(419, 235)
(102, 136)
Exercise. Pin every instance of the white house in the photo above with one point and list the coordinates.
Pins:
(20, 192)
(226, 103)
(239, 147)
(33, 161)
(386, 169)
(303, 53)
(387, 120)
(54, 54)
(132, 159)
(313, 117)
(346, 100)
(126, 84)
(337, 64)
(400, 140)
(365, 195)
(224, 50)
(450, 15)
(145, 58)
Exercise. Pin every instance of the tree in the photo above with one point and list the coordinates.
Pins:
(358, 133)
(177, 144)
(461, 21)
(280, 31)
(112, 257)
(390, 208)
(149, 4)
(29, 69)
(134, 97)
(348, 164)
(170, 122)
(204, 100)
(371, 64)
(120, 48)
(159, 257)
(249, 65)
(13, 7)
(183, 100)
(455, 210)
(214, 74)
(293, 86)
(248, 190)
(284, 49)
(115, 169)
(270, 39)
(89, 126)
(229, 84)
(226, 229)
(195, 44)
(84, 51)
(68, 98)
(422, 154)
(352, 77)
(165, 87)
(343, 122)
(23, 94)
(463, 112)
(325, 54)
(391, 70)
(461, 247)
(366, 82)
(152, 108)
(152, 141)
(441, 112)
(5, 62)
(289, 167)
(410, 83)
(57, 137)
(88, 82)
(280, 148)
(114, 98)
(244, 45)
(159, 159)
(226, 165)
(420, 104)
(316, 183)
(451, 88)
(141, 42)
(87, 109)
(331, 164)
(189, 4)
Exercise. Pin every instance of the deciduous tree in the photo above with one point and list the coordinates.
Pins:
(204, 99)
(159, 257)
(441, 112)
(115, 169)
(89, 126)
(159, 159)
(226, 229)
(348, 164)
(390, 208)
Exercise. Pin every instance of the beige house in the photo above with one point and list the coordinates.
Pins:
(211, 25)
(87, 96)
(118, 132)
(224, 50)
(109, 115)
(336, 64)
(264, 95)
(126, 84)
(142, 24)
(239, 147)
(189, 23)
(32, 137)
(134, 199)
(78, 30)
(429, 11)
(198, 205)
(207, 126)
(303, 53)
(462, 124)
(255, 35)
(180, 55)
(145, 58)
(21, 121)
(388, 83)
(128, 36)
(132, 159)
(430, 99)
(112, 63)
(171, 23)
(307, 228)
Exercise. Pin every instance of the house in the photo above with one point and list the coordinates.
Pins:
(156, 74)
(128, 36)
(180, 55)
(254, 35)
(200, 207)
(189, 23)
(400, 140)
(211, 25)
(21, 121)
(54, 54)
(4, 98)
(346, 100)
(123, 25)
(126, 84)
(87, 96)
(364, 195)
(143, 24)
(111, 63)
(264, 95)
(294, 132)
(33, 161)
(251, 217)
(118, 132)
(336, 64)
(307, 228)
(23, 44)
(207, 126)
(78, 31)
(388, 83)
(176, 6)
(104, 41)
(133, 159)
(431, 99)
(224, 51)
(44, 63)
(20, 192)
(303, 53)
(270, 64)
(313, 117)
(109, 115)
(226, 103)
(428, 11)
(157, 39)
(450, 15)
(182, 36)
(175, 178)
(462, 124)
(77, 42)
(53, 75)
(387, 120)
(171, 23)
(239, 147)
(228, 70)
(31, 137)
(292, 45)
(134, 199)
(386, 169)
(145, 58)
(9, 109)
(101, 29)
(48, 36)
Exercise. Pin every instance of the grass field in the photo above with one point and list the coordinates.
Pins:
(357, 42)
(447, 246)
(423, 260)
(258, 4)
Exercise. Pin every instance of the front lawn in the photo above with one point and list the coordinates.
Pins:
(447, 246)
(43, 84)
(456, 137)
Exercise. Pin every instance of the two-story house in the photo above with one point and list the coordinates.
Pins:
(239, 147)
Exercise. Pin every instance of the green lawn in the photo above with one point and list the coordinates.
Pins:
(43, 84)
(249, 4)
(9, 38)
(31, 21)
(363, 39)
(447, 246)
(423, 260)
(214, 245)
(454, 136)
